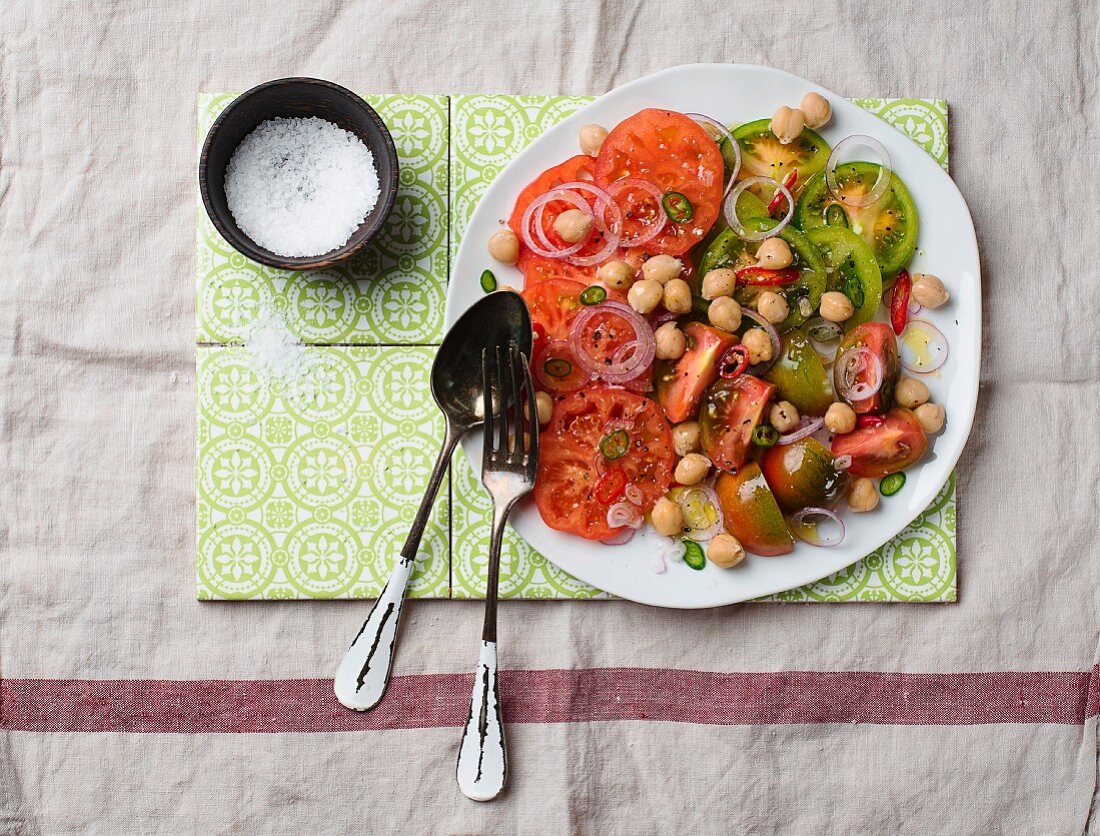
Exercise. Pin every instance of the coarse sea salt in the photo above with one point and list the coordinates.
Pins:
(301, 186)
(274, 351)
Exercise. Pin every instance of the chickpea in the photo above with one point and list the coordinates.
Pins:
(616, 273)
(671, 342)
(685, 438)
(759, 344)
(774, 254)
(910, 392)
(591, 139)
(816, 110)
(787, 124)
(677, 297)
(840, 418)
(573, 225)
(862, 495)
(836, 307)
(544, 406)
(772, 306)
(504, 246)
(719, 282)
(725, 313)
(644, 295)
(692, 469)
(929, 290)
(662, 268)
(931, 417)
(784, 416)
(667, 517)
(725, 551)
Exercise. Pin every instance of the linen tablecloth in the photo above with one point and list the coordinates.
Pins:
(127, 707)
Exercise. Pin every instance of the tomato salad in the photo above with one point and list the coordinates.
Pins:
(728, 344)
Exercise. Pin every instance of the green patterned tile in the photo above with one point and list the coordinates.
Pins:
(307, 484)
(391, 293)
(918, 565)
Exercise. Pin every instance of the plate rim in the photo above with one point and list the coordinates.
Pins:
(471, 442)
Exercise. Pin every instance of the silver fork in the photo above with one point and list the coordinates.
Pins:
(508, 466)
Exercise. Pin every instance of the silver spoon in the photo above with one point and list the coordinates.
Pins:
(497, 319)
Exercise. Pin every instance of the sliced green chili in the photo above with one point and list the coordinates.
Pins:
(853, 289)
(765, 435)
(615, 444)
(488, 281)
(557, 367)
(693, 555)
(593, 295)
(891, 484)
(836, 216)
(677, 207)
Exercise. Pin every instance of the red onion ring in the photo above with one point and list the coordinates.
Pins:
(702, 535)
(634, 494)
(882, 182)
(625, 513)
(537, 205)
(773, 335)
(938, 348)
(729, 207)
(808, 426)
(624, 536)
(706, 122)
(798, 528)
(632, 366)
(612, 240)
(853, 392)
(619, 186)
(842, 463)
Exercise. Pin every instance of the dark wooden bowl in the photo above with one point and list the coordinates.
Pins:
(290, 97)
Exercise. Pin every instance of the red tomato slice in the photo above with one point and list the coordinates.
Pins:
(877, 337)
(674, 153)
(575, 168)
(681, 383)
(556, 370)
(731, 410)
(571, 464)
(893, 445)
(554, 304)
(538, 268)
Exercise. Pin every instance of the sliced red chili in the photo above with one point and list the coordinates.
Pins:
(868, 420)
(899, 302)
(779, 197)
(733, 362)
(611, 486)
(762, 275)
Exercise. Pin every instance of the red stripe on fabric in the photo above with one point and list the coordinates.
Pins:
(554, 696)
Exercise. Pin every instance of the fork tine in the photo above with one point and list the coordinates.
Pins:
(487, 406)
(517, 448)
(532, 448)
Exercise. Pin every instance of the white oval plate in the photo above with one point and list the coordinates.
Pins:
(736, 93)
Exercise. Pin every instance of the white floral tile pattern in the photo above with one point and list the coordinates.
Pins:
(307, 491)
(393, 292)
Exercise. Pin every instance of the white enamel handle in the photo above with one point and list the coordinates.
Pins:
(482, 761)
(364, 672)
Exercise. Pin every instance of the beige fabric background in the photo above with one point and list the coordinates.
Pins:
(96, 436)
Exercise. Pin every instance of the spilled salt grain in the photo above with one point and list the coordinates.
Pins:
(274, 351)
(300, 186)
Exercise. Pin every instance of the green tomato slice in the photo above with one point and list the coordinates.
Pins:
(850, 264)
(762, 154)
(889, 225)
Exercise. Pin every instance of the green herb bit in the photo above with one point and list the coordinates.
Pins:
(891, 484)
(488, 281)
(693, 555)
(593, 295)
(557, 367)
(765, 435)
(836, 216)
(853, 289)
(678, 207)
(615, 444)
